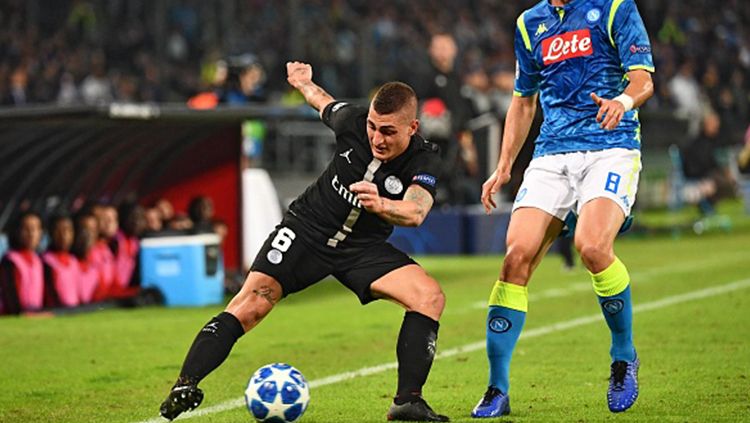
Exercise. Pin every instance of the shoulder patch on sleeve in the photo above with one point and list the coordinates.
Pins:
(425, 178)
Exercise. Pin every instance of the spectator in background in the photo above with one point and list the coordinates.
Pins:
(709, 181)
(245, 81)
(443, 117)
(86, 236)
(477, 88)
(201, 213)
(62, 273)
(125, 246)
(101, 255)
(166, 209)
(686, 95)
(19, 81)
(236, 81)
(21, 269)
(96, 87)
(154, 224)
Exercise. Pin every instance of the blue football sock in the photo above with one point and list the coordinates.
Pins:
(505, 319)
(612, 287)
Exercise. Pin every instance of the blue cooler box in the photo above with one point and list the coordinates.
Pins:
(188, 270)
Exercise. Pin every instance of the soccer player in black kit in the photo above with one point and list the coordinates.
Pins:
(383, 174)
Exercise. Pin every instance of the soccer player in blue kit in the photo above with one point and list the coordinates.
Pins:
(589, 63)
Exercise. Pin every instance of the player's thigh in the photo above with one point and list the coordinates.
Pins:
(412, 288)
(530, 234)
(598, 224)
(383, 271)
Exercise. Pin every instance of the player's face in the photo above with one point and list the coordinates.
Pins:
(389, 134)
(62, 234)
(30, 233)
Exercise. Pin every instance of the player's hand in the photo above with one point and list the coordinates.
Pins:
(368, 196)
(610, 112)
(491, 187)
(298, 74)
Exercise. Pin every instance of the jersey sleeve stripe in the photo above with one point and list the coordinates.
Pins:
(524, 33)
(612, 11)
(642, 67)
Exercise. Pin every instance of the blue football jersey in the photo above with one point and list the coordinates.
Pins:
(566, 53)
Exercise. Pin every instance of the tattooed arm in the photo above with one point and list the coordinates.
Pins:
(411, 211)
(299, 75)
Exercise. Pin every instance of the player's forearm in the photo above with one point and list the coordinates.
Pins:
(517, 126)
(315, 96)
(640, 88)
(402, 213)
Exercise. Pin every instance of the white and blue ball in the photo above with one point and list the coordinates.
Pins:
(277, 393)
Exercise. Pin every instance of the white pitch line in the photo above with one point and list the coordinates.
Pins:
(475, 346)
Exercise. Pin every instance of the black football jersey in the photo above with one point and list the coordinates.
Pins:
(333, 214)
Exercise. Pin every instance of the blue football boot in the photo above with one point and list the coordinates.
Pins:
(623, 385)
(494, 404)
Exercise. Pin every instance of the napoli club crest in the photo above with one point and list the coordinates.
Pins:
(393, 185)
(593, 15)
(613, 306)
(499, 324)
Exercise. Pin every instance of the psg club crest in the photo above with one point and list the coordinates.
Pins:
(393, 185)
(275, 256)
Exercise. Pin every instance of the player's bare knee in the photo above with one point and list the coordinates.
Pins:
(431, 302)
(517, 265)
(249, 309)
(437, 302)
(595, 256)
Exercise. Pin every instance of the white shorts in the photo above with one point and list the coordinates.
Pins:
(561, 183)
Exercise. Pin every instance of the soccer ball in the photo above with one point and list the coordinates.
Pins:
(277, 393)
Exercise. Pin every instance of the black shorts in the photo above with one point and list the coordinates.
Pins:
(296, 262)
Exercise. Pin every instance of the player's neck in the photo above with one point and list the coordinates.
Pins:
(559, 3)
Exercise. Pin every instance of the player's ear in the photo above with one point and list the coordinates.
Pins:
(413, 127)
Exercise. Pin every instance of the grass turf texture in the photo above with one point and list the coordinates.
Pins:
(117, 365)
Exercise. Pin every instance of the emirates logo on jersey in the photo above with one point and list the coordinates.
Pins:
(567, 46)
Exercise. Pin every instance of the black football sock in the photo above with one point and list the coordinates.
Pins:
(211, 347)
(415, 351)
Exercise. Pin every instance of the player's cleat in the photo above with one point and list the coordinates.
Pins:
(494, 404)
(184, 396)
(623, 385)
(415, 411)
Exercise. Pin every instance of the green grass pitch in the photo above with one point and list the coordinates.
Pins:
(117, 365)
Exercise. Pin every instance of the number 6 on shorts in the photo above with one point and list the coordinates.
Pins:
(283, 239)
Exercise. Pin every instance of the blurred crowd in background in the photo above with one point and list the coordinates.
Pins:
(91, 257)
(89, 51)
